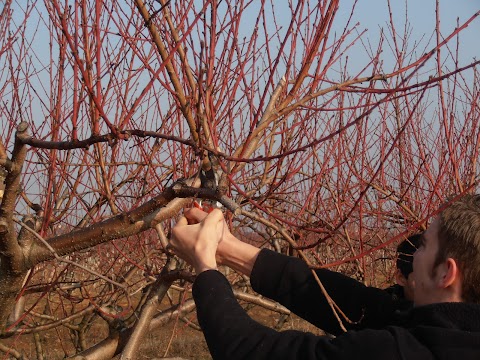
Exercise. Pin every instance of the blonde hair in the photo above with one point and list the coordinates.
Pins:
(459, 238)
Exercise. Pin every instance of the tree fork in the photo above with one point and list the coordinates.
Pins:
(12, 272)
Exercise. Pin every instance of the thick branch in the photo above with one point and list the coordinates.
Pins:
(95, 139)
(12, 186)
(133, 222)
(170, 69)
(269, 115)
(159, 289)
(116, 342)
(3, 152)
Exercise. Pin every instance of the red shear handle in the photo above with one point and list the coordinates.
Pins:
(204, 207)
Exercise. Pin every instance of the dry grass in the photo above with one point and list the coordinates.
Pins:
(188, 343)
(175, 340)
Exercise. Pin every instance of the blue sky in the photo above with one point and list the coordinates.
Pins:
(373, 14)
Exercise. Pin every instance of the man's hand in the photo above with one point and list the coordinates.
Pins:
(196, 215)
(197, 243)
(230, 251)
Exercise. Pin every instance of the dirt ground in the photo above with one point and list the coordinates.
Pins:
(188, 343)
(176, 340)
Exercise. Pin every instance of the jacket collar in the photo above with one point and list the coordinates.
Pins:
(461, 316)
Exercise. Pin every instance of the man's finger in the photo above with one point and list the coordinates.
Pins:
(195, 215)
(213, 218)
(182, 221)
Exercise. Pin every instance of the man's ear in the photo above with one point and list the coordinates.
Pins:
(399, 278)
(448, 273)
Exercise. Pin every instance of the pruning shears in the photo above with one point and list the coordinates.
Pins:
(203, 205)
(209, 180)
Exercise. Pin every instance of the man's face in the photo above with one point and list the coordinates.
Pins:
(423, 275)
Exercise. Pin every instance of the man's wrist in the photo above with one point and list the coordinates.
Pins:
(236, 254)
(225, 249)
(199, 268)
(198, 271)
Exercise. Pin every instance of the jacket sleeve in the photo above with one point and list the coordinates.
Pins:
(231, 334)
(290, 282)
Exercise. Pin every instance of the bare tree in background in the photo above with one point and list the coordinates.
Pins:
(114, 117)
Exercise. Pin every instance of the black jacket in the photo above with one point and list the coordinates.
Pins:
(440, 331)
(289, 281)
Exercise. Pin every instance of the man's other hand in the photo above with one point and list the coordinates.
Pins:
(196, 236)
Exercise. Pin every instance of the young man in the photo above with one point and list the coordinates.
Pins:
(444, 324)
